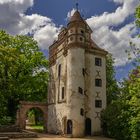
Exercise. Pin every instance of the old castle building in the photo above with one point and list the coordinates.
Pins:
(77, 87)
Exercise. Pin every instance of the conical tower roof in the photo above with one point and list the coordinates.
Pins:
(76, 17)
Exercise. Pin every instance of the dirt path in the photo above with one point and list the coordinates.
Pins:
(42, 136)
(93, 138)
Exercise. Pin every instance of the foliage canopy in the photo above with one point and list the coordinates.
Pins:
(23, 72)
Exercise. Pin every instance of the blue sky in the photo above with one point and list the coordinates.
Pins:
(112, 22)
(57, 10)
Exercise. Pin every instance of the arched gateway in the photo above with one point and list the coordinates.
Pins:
(25, 107)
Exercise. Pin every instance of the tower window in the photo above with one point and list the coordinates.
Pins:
(98, 103)
(98, 61)
(71, 38)
(71, 31)
(63, 92)
(83, 72)
(81, 39)
(98, 82)
(80, 90)
(82, 112)
(59, 70)
(82, 31)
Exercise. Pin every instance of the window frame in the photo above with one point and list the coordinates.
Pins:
(80, 90)
(98, 82)
(59, 70)
(98, 61)
(98, 103)
(63, 93)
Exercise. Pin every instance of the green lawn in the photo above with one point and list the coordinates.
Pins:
(38, 128)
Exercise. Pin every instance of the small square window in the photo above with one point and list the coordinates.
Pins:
(98, 103)
(98, 61)
(80, 90)
(98, 82)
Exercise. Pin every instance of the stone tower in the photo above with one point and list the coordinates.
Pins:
(77, 87)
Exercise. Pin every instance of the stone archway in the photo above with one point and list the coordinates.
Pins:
(25, 107)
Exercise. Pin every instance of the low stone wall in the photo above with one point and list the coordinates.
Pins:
(18, 135)
(9, 128)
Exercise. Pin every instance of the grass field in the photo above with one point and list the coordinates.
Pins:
(38, 128)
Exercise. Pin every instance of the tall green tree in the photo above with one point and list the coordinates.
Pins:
(121, 119)
(112, 89)
(23, 72)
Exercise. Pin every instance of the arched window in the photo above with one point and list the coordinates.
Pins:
(69, 127)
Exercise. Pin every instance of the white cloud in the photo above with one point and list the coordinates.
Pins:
(115, 41)
(70, 13)
(115, 18)
(14, 20)
(46, 35)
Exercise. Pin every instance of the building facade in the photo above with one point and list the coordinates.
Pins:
(77, 85)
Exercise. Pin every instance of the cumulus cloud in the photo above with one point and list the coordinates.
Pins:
(70, 13)
(14, 20)
(114, 40)
(46, 35)
(117, 17)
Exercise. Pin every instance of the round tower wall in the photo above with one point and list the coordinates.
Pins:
(75, 89)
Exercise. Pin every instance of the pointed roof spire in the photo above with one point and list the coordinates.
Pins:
(77, 6)
(76, 17)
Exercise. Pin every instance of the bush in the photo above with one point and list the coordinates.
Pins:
(6, 120)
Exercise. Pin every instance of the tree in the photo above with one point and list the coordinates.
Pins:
(121, 119)
(124, 113)
(137, 15)
(111, 85)
(23, 72)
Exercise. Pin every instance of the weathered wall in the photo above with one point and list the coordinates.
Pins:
(57, 108)
(76, 52)
(94, 92)
(75, 64)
